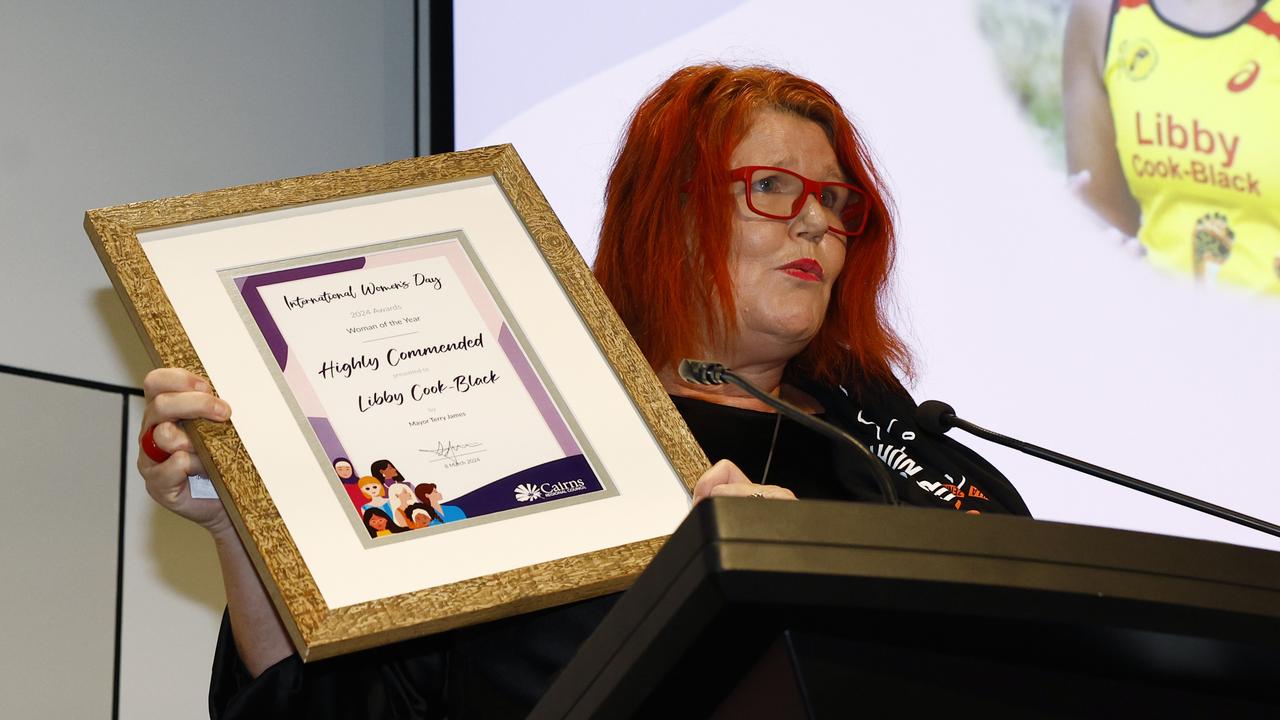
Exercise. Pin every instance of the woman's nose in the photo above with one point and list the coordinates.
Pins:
(811, 221)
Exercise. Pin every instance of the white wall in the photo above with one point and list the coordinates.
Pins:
(58, 548)
(113, 102)
(172, 605)
(104, 103)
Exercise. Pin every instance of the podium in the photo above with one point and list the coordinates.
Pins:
(769, 609)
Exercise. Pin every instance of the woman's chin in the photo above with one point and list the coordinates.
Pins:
(790, 335)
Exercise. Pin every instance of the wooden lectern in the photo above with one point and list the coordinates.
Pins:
(766, 609)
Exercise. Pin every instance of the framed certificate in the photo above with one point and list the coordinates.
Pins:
(439, 419)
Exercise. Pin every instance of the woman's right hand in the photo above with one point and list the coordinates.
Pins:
(174, 395)
(724, 479)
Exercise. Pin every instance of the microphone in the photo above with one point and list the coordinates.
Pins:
(936, 417)
(700, 372)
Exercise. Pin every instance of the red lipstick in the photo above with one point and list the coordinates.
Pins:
(806, 269)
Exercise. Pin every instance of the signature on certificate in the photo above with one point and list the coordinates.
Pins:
(450, 450)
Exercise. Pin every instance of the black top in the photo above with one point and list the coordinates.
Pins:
(769, 448)
(500, 669)
(928, 471)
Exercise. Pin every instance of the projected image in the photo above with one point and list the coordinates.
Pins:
(1047, 279)
(1168, 130)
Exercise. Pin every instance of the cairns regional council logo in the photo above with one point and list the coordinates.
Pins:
(1139, 58)
(525, 493)
(529, 492)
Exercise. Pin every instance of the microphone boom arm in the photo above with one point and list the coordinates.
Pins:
(1115, 477)
(881, 472)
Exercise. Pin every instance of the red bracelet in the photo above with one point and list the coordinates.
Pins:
(153, 451)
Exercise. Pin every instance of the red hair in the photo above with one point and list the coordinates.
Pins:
(685, 131)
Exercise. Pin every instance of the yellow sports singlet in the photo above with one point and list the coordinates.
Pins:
(1197, 118)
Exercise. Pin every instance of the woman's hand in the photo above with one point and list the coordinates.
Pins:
(173, 395)
(724, 479)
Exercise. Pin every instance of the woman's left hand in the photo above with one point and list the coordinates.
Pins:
(724, 479)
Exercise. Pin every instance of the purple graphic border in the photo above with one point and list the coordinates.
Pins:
(250, 290)
(550, 414)
(333, 448)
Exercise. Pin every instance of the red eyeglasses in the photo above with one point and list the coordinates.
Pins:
(780, 194)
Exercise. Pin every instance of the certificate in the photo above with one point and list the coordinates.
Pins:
(439, 420)
(425, 406)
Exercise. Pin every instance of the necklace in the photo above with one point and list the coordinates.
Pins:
(772, 444)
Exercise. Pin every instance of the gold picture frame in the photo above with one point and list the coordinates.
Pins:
(286, 559)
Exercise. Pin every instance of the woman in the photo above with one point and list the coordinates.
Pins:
(429, 494)
(375, 494)
(400, 496)
(747, 185)
(1171, 108)
(423, 513)
(384, 470)
(771, 191)
(378, 524)
(345, 471)
(420, 516)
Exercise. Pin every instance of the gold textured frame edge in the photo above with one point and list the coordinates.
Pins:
(316, 630)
